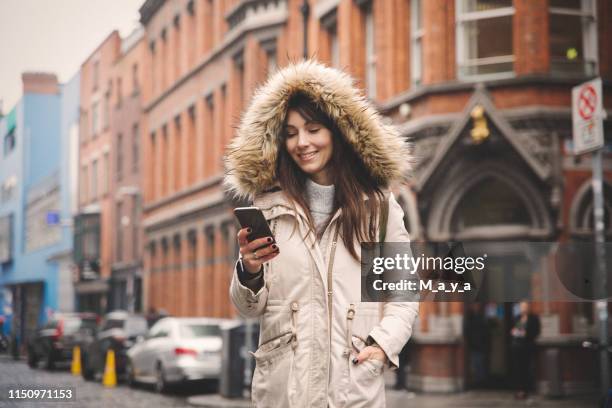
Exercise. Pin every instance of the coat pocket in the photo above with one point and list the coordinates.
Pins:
(273, 380)
(366, 382)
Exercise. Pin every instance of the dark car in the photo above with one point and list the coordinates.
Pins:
(118, 332)
(53, 343)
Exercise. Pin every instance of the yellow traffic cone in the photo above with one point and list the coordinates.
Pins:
(75, 367)
(110, 375)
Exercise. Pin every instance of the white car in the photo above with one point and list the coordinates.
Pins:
(177, 350)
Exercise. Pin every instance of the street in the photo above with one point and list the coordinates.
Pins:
(88, 394)
(93, 394)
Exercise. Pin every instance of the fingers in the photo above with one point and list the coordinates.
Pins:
(364, 354)
(265, 251)
(242, 236)
(265, 254)
(257, 252)
(256, 245)
(369, 353)
(253, 261)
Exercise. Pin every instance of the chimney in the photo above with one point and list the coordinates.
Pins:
(40, 83)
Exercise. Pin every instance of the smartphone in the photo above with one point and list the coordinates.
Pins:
(252, 217)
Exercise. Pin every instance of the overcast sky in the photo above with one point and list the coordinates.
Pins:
(55, 36)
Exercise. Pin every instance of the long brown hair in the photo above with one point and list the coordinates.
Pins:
(358, 220)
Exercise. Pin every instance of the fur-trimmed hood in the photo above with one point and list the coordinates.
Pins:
(250, 160)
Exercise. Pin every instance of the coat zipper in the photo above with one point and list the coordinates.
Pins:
(330, 267)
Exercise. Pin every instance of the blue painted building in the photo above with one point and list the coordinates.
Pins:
(35, 204)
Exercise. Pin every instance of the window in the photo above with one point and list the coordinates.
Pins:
(135, 148)
(229, 245)
(84, 125)
(135, 223)
(177, 45)
(96, 74)
(119, 227)
(106, 178)
(152, 189)
(153, 71)
(484, 38)
(269, 46)
(9, 142)
(83, 184)
(209, 232)
(239, 65)
(119, 156)
(370, 51)
(271, 60)
(95, 119)
(135, 83)
(329, 22)
(416, 42)
(106, 110)
(194, 331)
(94, 180)
(119, 92)
(573, 37)
(178, 143)
(6, 238)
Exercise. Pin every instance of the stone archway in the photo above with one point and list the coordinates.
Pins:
(491, 200)
(581, 210)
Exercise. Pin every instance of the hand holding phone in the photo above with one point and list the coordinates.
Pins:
(256, 242)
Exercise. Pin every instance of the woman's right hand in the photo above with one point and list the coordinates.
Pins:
(255, 253)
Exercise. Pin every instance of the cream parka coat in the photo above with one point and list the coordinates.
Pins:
(312, 319)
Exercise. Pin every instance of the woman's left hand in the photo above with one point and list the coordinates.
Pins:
(371, 353)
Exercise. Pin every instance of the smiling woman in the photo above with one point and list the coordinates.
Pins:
(310, 145)
(318, 161)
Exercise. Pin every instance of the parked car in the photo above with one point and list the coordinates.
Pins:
(54, 341)
(118, 332)
(177, 350)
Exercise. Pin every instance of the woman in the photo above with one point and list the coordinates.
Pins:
(316, 159)
(524, 333)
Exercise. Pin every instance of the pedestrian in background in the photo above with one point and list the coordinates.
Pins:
(524, 333)
(317, 160)
(400, 374)
(477, 341)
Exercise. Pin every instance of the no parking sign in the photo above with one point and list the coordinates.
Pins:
(587, 116)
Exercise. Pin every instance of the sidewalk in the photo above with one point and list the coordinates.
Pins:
(402, 399)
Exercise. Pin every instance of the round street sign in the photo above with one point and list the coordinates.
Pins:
(587, 102)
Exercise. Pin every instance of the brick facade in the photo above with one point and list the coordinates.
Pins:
(96, 154)
(196, 89)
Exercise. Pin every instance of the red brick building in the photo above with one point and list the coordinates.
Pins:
(428, 65)
(93, 224)
(128, 75)
(108, 234)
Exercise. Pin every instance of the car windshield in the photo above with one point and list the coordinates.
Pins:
(113, 324)
(199, 330)
(72, 325)
(136, 327)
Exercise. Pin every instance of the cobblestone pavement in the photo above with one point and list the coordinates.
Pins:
(88, 394)
(482, 399)
(93, 394)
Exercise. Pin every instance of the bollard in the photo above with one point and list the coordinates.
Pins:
(75, 367)
(110, 376)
